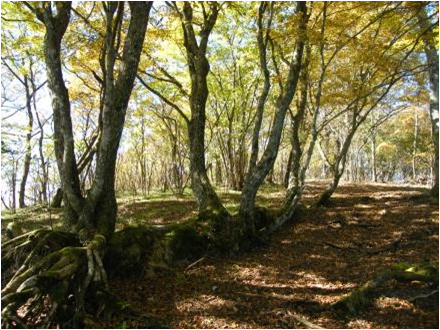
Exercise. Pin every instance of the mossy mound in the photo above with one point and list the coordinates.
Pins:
(186, 242)
(129, 250)
(132, 250)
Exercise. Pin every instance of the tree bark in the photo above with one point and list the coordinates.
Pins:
(45, 177)
(287, 174)
(338, 167)
(295, 182)
(63, 134)
(256, 177)
(27, 80)
(262, 40)
(14, 184)
(198, 67)
(373, 151)
(28, 154)
(100, 206)
(373, 158)
(415, 137)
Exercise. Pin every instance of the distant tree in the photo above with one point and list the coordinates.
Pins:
(431, 50)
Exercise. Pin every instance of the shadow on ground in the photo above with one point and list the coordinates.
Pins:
(308, 265)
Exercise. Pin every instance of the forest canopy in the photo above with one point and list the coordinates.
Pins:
(103, 101)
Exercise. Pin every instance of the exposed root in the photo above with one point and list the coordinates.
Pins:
(389, 247)
(58, 278)
(304, 321)
(195, 263)
(360, 298)
(423, 296)
(19, 253)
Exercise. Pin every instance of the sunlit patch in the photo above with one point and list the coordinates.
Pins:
(361, 324)
(363, 206)
(393, 302)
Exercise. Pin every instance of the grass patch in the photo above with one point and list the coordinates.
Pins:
(158, 208)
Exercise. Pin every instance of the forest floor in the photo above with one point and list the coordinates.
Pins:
(314, 261)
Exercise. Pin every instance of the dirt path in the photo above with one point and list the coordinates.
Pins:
(307, 266)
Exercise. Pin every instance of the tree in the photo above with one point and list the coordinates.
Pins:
(427, 28)
(195, 44)
(257, 172)
(29, 85)
(91, 218)
(372, 80)
(233, 86)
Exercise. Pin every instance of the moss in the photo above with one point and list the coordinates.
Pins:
(427, 272)
(64, 261)
(98, 242)
(129, 250)
(13, 229)
(360, 298)
(186, 243)
(355, 302)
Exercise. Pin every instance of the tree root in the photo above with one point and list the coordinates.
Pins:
(19, 252)
(58, 278)
(423, 296)
(362, 297)
(304, 321)
(62, 276)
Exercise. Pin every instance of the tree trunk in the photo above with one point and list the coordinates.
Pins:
(324, 198)
(202, 189)
(414, 155)
(433, 71)
(14, 184)
(28, 154)
(44, 174)
(288, 169)
(57, 198)
(62, 266)
(324, 160)
(262, 50)
(296, 182)
(338, 168)
(198, 67)
(373, 158)
(257, 175)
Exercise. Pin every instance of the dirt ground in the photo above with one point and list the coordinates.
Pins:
(315, 260)
(312, 262)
